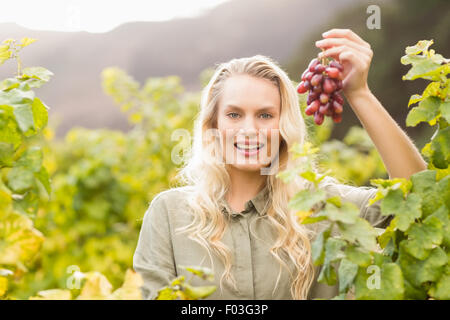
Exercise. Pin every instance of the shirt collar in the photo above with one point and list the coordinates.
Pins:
(259, 202)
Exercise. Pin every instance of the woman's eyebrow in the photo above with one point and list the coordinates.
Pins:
(265, 108)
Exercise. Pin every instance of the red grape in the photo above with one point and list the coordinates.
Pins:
(332, 72)
(316, 79)
(312, 107)
(337, 65)
(318, 118)
(323, 84)
(329, 85)
(301, 88)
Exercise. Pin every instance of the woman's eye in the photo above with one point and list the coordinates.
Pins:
(233, 115)
(266, 115)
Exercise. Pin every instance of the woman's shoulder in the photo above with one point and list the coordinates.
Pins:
(171, 199)
(173, 194)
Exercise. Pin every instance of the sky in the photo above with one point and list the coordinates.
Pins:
(96, 15)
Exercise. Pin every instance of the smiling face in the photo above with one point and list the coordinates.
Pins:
(248, 118)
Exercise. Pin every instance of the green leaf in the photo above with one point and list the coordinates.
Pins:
(422, 237)
(5, 53)
(427, 110)
(202, 272)
(358, 256)
(6, 154)
(40, 113)
(445, 110)
(360, 232)
(419, 271)
(443, 215)
(43, 177)
(198, 292)
(306, 199)
(20, 241)
(420, 46)
(383, 282)
(318, 246)
(424, 185)
(26, 41)
(31, 159)
(441, 148)
(414, 99)
(333, 250)
(346, 274)
(441, 290)
(16, 96)
(336, 200)
(24, 117)
(9, 131)
(327, 275)
(405, 211)
(20, 179)
(347, 213)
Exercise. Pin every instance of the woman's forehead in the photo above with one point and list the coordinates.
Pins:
(244, 91)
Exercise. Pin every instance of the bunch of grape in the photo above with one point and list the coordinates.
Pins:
(324, 83)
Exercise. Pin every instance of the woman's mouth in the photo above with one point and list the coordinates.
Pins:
(248, 149)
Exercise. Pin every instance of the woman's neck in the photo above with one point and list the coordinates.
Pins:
(244, 186)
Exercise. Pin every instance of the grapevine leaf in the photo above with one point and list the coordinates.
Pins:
(445, 110)
(31, 159)
(202, 272)
(24, 117)
(358, 256)
(405, 211)
(96, 287)
(361, 232)
(346, 274)
(422, 237)
(420, 46)
(40, 113)
(6, 154)
(419, 271)
(198, 292)
(424, 185)
(20, 179)
(5, 53)
(26, 41)
(130, 289)
(327, 275)
(441, 148)
(347, 213)
(44, 178)
(441, 290)
(318, 245)
(383, 282)
(20, 241)
(427, 110)
(306, 199)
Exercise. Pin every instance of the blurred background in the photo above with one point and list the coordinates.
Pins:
(128, 72)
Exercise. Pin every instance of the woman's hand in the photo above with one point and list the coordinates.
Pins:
(353, 53)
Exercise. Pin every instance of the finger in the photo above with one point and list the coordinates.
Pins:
(336, 53)
(345, 33)
(330, 42)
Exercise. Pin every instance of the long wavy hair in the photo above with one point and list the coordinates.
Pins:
(210, 179)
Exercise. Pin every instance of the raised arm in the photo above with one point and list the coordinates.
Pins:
(400, 157)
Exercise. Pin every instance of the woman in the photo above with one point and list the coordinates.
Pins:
(232, 215)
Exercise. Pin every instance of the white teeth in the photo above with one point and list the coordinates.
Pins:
(248, 147)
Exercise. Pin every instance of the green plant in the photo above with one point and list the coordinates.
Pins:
(411, 255)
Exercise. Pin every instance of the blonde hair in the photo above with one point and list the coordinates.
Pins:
(211, 181)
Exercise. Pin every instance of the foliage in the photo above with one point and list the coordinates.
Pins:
(24, 181)
(410, 257)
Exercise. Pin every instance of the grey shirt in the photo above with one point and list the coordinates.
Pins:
(160, 251)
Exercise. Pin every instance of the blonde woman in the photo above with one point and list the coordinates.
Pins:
(231, 213)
